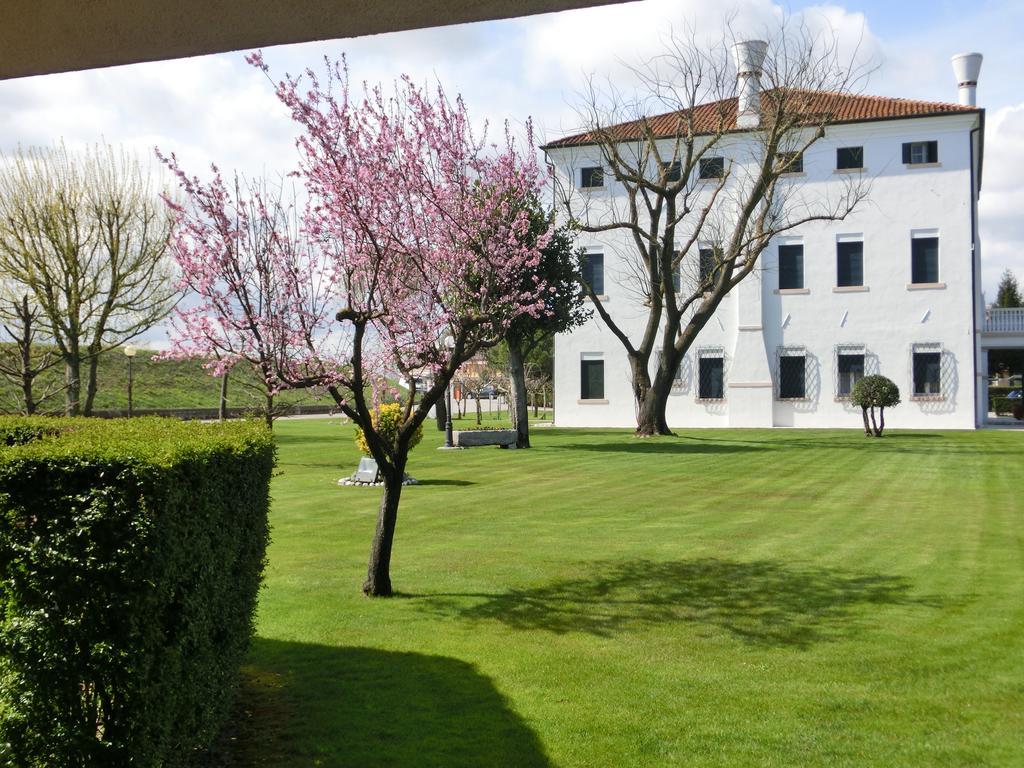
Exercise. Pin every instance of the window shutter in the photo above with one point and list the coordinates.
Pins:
(906, 153)
(933, 151)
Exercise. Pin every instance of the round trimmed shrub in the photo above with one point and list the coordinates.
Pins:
(875, 392)
(387, 421)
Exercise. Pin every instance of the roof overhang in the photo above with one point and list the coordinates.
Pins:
(44, 36)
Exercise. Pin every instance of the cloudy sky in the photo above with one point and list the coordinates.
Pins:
(219, 109)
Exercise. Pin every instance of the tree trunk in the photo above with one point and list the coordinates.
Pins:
(222, 409)
(867, 424)
(517, 407)
(479, 411)
(91, 384)
(73, 379)
(874, 425)
(441, 414)
(651, 401)
(650, 418)
(27, 375)
(881, 421)
(378, 572)
(269, 415)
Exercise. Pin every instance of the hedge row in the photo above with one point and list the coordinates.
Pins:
(1001, 391)
(131, 554)
(1004, 405)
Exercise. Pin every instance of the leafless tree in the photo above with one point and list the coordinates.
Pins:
(22, 357)
(701, 196)
(84, 235)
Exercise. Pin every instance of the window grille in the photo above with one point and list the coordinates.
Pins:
(926, 365)
(711, 373)
(792, 373)
(850, 367)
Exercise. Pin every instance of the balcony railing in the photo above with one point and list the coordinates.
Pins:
(1004, 320)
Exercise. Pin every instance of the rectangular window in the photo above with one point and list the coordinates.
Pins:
(791, 266)
(672, 171)
(676, 276)
(711, 371)
(709, 258)
(920, 152)
(924, 258)
(592, 177)
(850, 370)
(790, 162)
(712, 167)
(792, 376)
(849, 158)
(593, 271)
(849, 263)
(591, 379)
(927, 372)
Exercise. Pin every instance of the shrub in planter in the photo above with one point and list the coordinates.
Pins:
(875, 392)
(131, 553)
(387, 420)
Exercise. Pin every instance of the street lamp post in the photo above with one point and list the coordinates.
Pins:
(130, 352)
(449, 342)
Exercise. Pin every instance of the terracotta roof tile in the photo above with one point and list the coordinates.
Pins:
(819, 106)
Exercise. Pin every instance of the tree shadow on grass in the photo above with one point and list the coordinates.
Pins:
(303, 705)
(763, 602)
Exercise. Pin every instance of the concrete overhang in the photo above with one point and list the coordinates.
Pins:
(44, 36)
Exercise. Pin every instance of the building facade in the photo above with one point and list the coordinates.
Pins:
(894, 288)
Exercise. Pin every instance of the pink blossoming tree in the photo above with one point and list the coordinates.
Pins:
(411, 258)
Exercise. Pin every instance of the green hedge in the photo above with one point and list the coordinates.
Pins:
(1001, 391)
(1003, 406)
(131, 553)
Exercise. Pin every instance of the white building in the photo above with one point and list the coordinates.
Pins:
(892, 289)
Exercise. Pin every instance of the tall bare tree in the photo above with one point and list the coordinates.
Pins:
(22, 357)
(706, 172)
(85, 236)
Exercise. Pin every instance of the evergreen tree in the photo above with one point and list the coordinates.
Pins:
(1008, 294)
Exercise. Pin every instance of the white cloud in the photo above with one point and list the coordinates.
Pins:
(1002, 197)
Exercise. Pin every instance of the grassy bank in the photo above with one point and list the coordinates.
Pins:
(155, 384)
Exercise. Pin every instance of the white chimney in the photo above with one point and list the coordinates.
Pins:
(749, 56)
(966, 67)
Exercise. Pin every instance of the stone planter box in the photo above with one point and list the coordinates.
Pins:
(470, 438)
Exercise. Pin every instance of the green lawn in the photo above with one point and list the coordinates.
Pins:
(724, 598)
